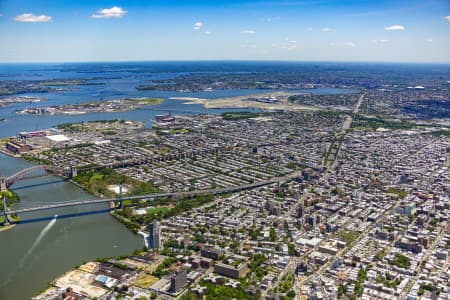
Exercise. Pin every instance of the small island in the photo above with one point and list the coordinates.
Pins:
(10, 100)
(70, 82)
(116, 105)
(15, 87)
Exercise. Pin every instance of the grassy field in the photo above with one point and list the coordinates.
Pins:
(144, 281)
(401, 261)
(240, 115)
(97, 182)
(150, 101)
(361, 122)
(348, 236)
(401, 193)
(158, 210)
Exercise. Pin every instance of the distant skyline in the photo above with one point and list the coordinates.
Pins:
(304, 30)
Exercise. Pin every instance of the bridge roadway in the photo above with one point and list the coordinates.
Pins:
(161, 195)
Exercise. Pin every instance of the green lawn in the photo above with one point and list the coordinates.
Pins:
(401, 261)
(158, 210)
(348, 236)
(150, 101)
(401, 193)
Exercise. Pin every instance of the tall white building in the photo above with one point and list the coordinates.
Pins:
(154, 235)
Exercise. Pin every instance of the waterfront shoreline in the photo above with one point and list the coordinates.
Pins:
(4, 151)
(111, 204)
(7, 227)
(115, 106)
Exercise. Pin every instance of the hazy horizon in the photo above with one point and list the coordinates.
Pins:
(231, 61)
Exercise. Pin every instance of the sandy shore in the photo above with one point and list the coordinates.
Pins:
(7, 227)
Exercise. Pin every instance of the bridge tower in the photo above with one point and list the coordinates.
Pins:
(3, 186)
(120, 197)
(73, 172)
(5, 209)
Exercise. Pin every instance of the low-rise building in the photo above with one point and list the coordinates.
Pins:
(235, 272)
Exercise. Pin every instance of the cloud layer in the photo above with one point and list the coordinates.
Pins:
(395, 27)
(108, 13)
(27, 17)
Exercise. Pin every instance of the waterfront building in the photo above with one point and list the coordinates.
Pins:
(16, 146)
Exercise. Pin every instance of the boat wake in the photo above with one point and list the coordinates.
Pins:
(40, 237)
(35, 244)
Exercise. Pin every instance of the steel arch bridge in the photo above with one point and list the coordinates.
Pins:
(6, 182)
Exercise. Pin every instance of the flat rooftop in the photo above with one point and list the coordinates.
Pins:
(58, 138)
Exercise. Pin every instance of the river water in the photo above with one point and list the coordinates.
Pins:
(29, 259)
(34, 253)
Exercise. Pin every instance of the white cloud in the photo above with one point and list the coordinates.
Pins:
(108, 13)
(429, 40)
(198, 25)
(32, 18)
(344, 44)
(248, 31)
(288, 44)
(327, 29)
(447, 18)
(208, 32)
(395, 27)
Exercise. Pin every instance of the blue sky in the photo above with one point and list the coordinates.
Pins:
(303, 30)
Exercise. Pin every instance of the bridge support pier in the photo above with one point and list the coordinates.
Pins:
(120, 197)
(5, 209)
(73, 172)
(3, 186)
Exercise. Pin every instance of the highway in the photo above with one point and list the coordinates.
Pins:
(340, 135)
(317, 274)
